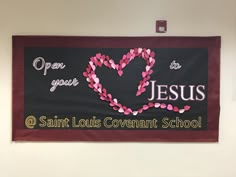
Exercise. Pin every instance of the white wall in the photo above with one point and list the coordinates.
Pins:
(123, 18)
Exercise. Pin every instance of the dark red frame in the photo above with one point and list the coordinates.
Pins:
(19, 133)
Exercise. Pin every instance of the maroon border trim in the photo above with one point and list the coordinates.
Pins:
(210, 135)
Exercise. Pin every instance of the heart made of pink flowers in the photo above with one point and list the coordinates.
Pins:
(94, 82)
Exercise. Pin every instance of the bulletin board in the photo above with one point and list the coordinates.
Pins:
(136, 89)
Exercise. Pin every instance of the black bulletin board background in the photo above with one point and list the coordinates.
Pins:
(83, 102)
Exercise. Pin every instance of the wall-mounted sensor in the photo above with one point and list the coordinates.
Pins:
(161, 26)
